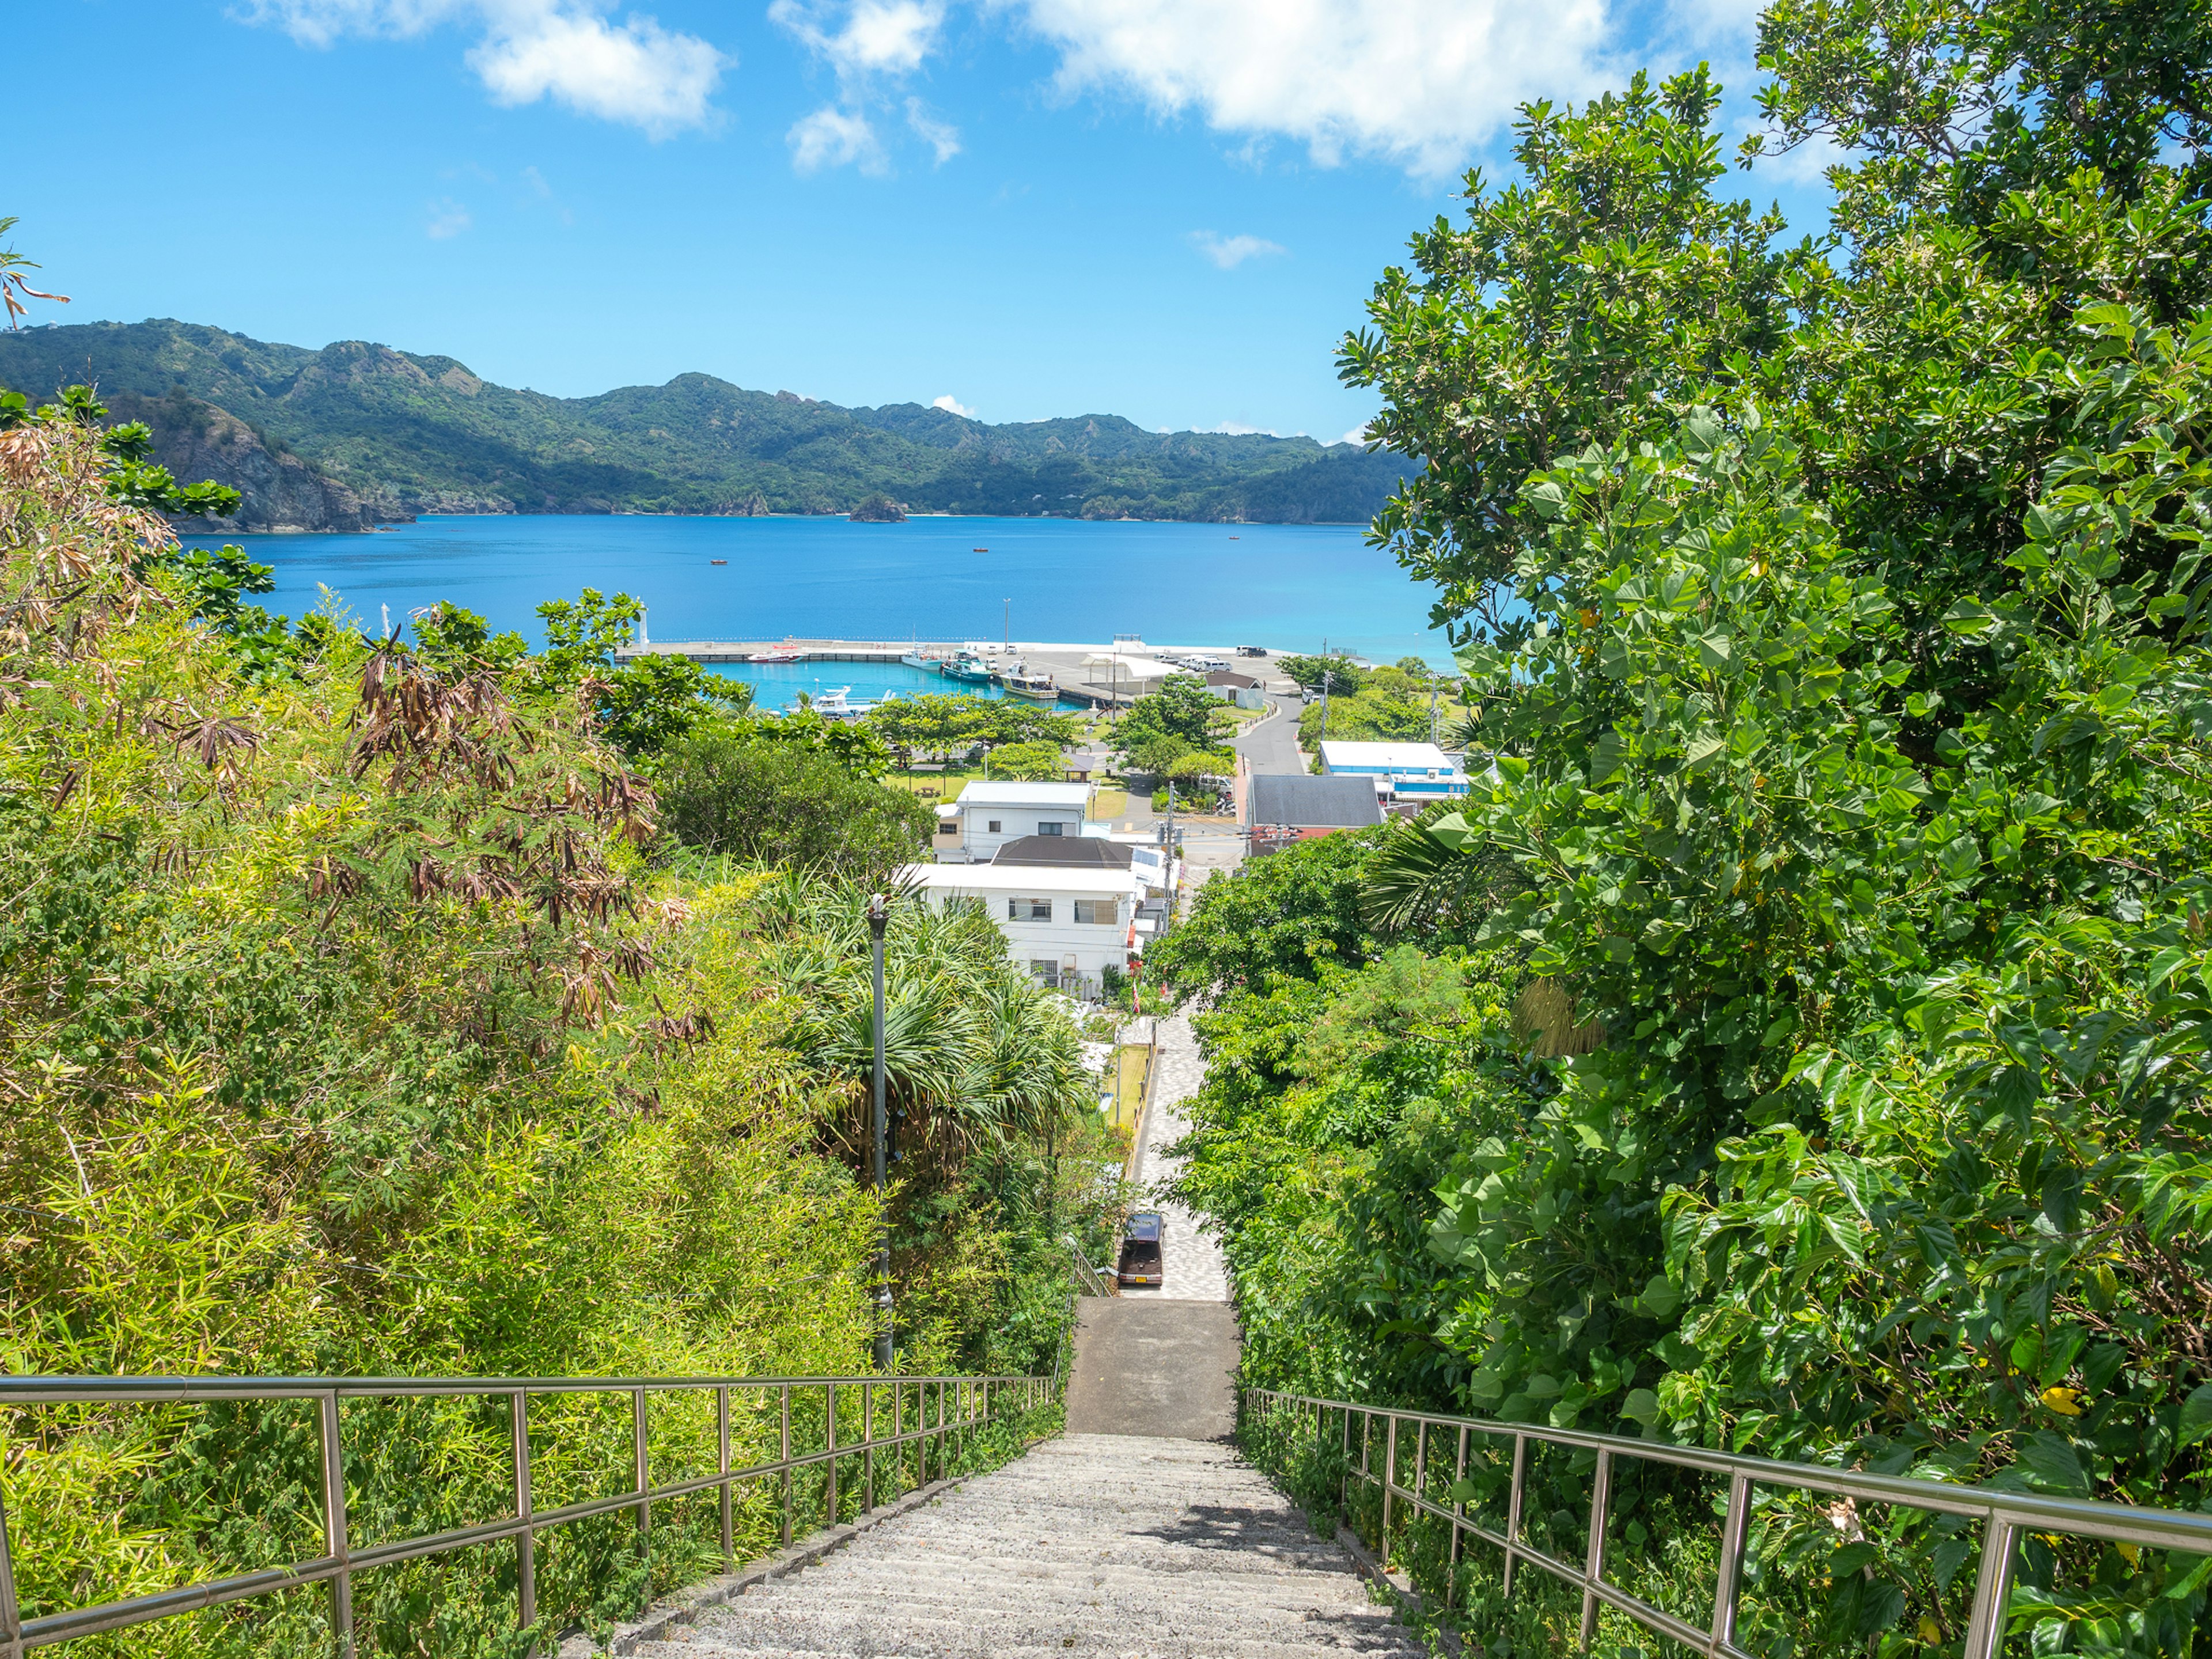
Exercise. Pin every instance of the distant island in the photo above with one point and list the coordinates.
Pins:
(879, 509)
(357, 433)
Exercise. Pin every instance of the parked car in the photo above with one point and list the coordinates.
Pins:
(1141, 1262)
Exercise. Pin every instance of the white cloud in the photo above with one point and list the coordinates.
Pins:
(535, 181)
(1419, 83)
(1231, 252)
(954, 406)
(834, 138)
(635, 72)
(448, 219)
(1238, 429)
(867, 37)
(871, 45)
(940, 136)
(1357, 436)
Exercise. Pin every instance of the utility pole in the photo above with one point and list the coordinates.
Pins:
(879, 915)
(1006, 623)
(1327, 675)
(1432, 706)
(1167, 861)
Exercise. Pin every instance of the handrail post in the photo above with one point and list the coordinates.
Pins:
(1513, 1510)
(334, 1525)
(1421, 1472)
(1992, 1585)
(829, 1446)
(1458, 1519)
(868, 1444)
(784, 1456)
(722, 1438)
(11, 1616)
(1344, 1484)
(1594, 1563)
(1728, 1582)
(644, 1481)
(1390, 1479)
(525, 1542)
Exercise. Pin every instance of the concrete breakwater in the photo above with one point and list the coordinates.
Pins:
(1104, 675)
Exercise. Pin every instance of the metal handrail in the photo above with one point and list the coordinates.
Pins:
(970, 1404)
(2004, 1515)
(1088, 1279)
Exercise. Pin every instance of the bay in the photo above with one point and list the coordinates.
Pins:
(1287, 586)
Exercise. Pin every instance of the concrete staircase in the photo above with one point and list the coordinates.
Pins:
(1091, 1544)
(1140, 1533)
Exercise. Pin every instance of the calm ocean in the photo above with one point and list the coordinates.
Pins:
(1053, 579)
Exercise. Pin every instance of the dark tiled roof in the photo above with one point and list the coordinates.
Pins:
(1222, 676)
(1066, 852)
(1311, 803)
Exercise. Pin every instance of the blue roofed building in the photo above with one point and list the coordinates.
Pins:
(1403, 772)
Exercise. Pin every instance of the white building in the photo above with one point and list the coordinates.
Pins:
(1401, 771)
(1066, 926)
(989, 815)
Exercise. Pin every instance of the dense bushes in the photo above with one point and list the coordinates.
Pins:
(729, 788)
(348, 1025)
(1838, 635)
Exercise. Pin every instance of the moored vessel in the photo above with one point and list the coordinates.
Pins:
(1038, 688)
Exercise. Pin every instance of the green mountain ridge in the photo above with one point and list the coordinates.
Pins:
(407, 434)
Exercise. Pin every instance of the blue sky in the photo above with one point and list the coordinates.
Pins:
(1168, 209)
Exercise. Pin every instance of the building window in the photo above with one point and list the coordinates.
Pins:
(1028, 909)
(1048, 974)
(1048, 829)
(992, 828)
(1095, 913)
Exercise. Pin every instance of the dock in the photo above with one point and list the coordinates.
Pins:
(1106, 675)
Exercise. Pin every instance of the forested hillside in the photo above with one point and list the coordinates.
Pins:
(359, 1014)
(1797, 1043)
(409, 434)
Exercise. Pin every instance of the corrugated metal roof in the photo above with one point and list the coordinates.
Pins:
(1311, 802)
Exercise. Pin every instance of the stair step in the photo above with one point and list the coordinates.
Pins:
(1091, 1545)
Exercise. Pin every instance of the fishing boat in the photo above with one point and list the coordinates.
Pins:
(779, 654)
(835, 702)
(1038, 688)
(718, 562)
(929, 662)
(967, 668)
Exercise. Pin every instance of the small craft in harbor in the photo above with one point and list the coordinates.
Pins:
(1038, 688)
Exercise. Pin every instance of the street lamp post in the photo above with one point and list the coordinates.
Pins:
(879, 915)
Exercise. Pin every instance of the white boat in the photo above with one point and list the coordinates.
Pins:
(779, 654)
(923, 660)
(835, 702)
(1038, 688)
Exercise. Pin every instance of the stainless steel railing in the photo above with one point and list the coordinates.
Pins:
(962, 1404)
(1088, 1279)
(2004, 1515)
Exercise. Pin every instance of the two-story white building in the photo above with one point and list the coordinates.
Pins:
(987, 816)
(1065, 925)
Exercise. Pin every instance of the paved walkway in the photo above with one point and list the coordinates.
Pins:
(1271, 743)
(1137, 1548)
(1194, 1270)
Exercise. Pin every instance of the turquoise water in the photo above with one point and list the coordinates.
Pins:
(777, 684)
(1048, 579)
